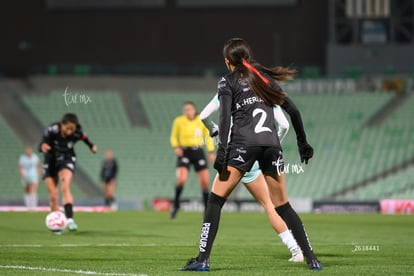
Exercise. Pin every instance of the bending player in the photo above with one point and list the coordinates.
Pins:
(59, 161)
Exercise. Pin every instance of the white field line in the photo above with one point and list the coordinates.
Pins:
(86, 245)
(18, 245)
(48, 269)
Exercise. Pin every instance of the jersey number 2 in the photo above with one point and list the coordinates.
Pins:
(259, 126)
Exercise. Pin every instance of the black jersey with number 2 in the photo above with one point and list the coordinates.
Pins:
(253, 120)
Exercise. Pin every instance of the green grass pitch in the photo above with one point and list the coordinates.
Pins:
(149, 243)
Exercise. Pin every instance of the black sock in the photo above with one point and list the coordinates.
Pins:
(107, 201)
(69, 210)
(295, 225)
(205, 198)
(178, 190)
(210, 225)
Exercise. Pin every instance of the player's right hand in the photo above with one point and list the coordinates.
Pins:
(45, 147)
(179, 152)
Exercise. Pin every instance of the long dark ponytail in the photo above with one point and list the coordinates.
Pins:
(239, 54)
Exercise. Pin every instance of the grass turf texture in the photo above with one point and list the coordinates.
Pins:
(150, 243)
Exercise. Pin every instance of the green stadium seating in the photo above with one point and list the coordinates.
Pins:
(394, 186)
(346, 152)
(11, 148)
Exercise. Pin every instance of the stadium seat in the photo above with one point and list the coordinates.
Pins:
(346, 152)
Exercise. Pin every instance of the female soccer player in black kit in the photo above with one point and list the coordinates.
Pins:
(247, 96)
(59, 161)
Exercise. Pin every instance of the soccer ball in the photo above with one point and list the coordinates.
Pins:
(56, 221)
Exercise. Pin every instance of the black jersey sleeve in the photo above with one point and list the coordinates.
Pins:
(225, 98)
(296, 119)
(305, 150)
(82, 136)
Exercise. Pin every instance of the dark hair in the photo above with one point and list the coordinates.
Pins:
(191, 103)
(70, 118)
(239, 53)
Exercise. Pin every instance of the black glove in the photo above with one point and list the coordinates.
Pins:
(305, 152)
(220, 164)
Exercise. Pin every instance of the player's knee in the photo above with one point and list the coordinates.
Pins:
(204, 185)
(181, 183)
(181, 180)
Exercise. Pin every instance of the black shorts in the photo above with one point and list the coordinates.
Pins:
(193, 156)
(108, 180)
(270, 158)
(52, 165)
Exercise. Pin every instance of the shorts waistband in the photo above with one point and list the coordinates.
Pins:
(191, 148)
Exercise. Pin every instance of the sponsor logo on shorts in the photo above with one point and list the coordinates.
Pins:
(239, 158)
(70, 166)
(185, 160)
(201, 162)
(241, 150)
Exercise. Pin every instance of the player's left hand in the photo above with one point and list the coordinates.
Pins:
(305, 152)
(214, 131)
(94, 149)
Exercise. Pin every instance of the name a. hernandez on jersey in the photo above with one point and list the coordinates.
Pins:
(250, 100)
(245, 101)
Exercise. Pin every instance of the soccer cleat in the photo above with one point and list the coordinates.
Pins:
(173, 213)
(58, 233)
(72, 225)
(196, 265)
(314, 264)
(297, 256)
